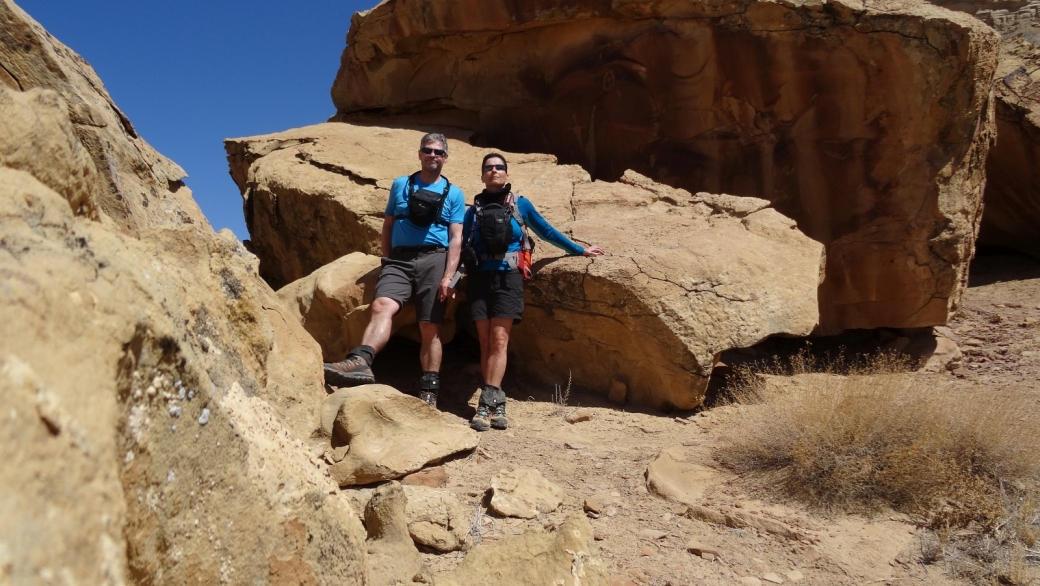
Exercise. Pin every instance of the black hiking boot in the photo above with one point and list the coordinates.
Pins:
(351, 372)
(480, 421)
(430, 397)
(498, 417)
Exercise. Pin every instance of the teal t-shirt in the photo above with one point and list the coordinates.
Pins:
(408, 234)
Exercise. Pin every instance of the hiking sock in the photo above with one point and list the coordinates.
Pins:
(430, 381)
(492, 396)
(366, 352)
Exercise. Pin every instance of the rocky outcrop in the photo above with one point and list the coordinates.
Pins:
(332, 305)
(688, 275)
(389, 434)
(158, 398)
(131, 185)
(1012, 200)
(869, 127)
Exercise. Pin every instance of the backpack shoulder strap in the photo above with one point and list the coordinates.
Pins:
(525, 241)
(408, 188)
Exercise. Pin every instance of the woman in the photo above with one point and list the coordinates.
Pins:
(495, 229)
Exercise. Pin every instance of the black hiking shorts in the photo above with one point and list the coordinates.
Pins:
(495, 294)
(415, 274)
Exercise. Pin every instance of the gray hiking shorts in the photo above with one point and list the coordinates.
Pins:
(415, 274)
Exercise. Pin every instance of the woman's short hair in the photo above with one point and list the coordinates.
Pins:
(493, 156)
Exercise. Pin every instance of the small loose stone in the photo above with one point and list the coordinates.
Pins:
(204, 417)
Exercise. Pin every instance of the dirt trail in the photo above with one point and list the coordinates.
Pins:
(606, 459)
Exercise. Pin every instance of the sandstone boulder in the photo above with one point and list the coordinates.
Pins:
(524, 493)
(869, 126)
(687, 277)
(436, 518)
(123, 413)
(158, 399)
(565, 556)
(393, 557)
(390, 434)
(332, 305)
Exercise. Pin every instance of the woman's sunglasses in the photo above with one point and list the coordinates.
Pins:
(429, 151)
(494, 168)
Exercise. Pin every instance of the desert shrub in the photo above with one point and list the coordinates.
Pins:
(861, 438)
(871, 437)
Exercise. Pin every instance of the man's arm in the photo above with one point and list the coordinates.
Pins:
(454, 249)
(386, 236)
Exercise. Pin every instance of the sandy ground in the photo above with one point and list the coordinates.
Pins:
(606, 458)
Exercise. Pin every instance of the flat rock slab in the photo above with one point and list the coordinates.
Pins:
(524, 493)
(565, 556)
(676, 475)
(390, 434)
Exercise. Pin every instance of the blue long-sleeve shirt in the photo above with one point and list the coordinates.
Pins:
(535, 222)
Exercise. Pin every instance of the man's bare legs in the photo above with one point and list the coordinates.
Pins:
(494, 345)
(377, 332)
(430, 352)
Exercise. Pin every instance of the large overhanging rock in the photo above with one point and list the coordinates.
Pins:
(867, 126)
(157, 395)
(688, 276)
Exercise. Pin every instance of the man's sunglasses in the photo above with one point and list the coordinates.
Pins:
(429, 151)
(494, 168)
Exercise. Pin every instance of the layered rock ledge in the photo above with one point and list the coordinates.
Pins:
(868, 126)
(688, 275)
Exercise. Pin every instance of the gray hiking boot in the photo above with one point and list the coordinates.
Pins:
(430, 397)
(498, 417)
(350, 372)
(480, 421)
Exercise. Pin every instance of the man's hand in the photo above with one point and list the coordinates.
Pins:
(444, 291)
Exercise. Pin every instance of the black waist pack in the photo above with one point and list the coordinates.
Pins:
(425, 206)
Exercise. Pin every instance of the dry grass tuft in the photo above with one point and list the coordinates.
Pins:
(868, 438)
(561, 397)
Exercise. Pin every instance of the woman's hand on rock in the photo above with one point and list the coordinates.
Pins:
(593, 251)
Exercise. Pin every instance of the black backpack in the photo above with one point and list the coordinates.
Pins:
(496, 229)
(424, 206)
(492, 221)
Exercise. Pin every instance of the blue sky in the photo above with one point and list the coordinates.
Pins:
(190, 73)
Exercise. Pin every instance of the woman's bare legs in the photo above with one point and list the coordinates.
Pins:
(494, 345)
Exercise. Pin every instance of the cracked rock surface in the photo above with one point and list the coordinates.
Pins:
(868, 123)
(157, 396)
(687, 275)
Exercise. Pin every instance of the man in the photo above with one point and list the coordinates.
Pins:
(421, 241)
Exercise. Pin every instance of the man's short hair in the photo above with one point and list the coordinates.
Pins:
(434, 137)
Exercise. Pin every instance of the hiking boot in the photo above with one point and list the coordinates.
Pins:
(480, 421)
(429, 397)
(498, 417)
(350, 372)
